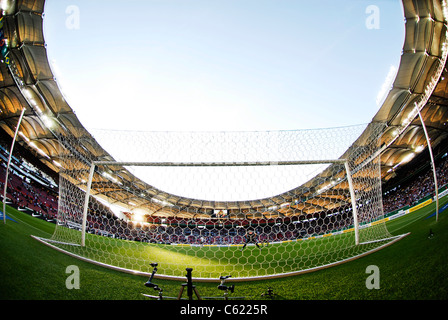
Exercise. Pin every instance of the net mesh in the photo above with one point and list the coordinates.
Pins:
(249, 204)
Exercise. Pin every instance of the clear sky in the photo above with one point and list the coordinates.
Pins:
(223, 65)
(163, 65)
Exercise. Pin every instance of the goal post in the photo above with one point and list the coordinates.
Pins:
(345, 162)
(86, 205)
(353, 201)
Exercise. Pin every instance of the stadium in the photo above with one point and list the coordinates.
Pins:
(353, 212)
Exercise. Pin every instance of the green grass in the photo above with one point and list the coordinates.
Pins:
(214, 261)
(414, 268)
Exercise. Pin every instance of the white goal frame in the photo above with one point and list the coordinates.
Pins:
(94, 164)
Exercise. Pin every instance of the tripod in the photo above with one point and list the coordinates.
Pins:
(224, 287)
(154, 270)
(269, 293)
(190, 287)
(149, 284)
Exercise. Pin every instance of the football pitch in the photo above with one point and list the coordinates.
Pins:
(412, 268)
(209, 262)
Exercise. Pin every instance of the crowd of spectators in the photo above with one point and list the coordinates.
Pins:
(28, 188)
(211, 236)
(416, 189)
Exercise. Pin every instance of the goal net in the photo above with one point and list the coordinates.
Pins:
(248, 204)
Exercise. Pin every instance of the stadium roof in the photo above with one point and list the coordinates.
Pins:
(28, 82)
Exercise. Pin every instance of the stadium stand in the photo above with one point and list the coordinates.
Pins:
(29, 188)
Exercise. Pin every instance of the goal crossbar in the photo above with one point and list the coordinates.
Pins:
(217, 164)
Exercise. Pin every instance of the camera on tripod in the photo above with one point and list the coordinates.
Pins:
(223, 286)
(191, 288)
(149, 283)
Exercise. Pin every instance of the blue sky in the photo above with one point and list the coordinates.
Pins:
(222, 65)
(232, 65)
